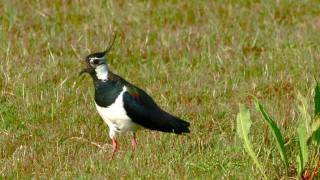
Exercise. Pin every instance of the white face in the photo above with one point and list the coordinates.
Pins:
(95, 61)
(100, 67)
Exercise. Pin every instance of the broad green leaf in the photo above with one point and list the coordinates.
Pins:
(317, 100)
(275, 132)
(304, 115)
(315, 131)
(315, 127)
(303, 147)
(243, 129)
(304, 132)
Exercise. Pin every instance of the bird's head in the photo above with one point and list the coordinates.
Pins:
(97, 63)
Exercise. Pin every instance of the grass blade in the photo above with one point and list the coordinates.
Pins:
(303, 147)
(317, 100)
(315, 127)
(275, 132)
(304, 115)
(315, 131)
(243, 129)
(303, 133)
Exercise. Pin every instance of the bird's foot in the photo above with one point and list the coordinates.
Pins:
(114, 147)
(134, 142)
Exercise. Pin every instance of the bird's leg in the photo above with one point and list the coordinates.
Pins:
(134, 142)
(114, 146)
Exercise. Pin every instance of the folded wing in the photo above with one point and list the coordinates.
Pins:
(144, 111)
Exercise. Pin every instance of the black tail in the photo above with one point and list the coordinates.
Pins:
(178, 125)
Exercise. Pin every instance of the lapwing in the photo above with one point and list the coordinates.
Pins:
(125, 107)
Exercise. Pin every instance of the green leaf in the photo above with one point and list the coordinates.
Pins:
(317, 100)
(275, 132)
(304, 131)
(243, 129)
(303, 147)
(315, 131)
(304, 115)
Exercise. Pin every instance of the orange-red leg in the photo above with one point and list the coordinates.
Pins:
(134, 142)
(114, 146)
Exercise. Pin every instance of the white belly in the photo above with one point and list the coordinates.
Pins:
(116, 117)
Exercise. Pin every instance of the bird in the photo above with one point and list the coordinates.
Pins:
(124, 107)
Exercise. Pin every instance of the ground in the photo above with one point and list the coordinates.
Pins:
(197, 59)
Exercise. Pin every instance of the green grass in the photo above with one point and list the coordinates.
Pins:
(198, 59)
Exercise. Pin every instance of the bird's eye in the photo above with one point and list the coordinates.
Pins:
(95, 61)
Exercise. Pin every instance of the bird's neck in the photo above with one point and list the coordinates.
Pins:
(102, 72)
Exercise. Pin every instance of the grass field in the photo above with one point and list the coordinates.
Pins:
(197, 59)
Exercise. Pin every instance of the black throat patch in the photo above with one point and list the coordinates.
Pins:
(106, 92)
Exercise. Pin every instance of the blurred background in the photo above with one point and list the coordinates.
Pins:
(198, 59)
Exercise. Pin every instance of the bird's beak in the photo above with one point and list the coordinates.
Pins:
(86, 70)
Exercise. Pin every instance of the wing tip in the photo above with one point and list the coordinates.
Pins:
(181, 126)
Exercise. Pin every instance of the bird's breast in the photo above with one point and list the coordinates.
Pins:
(106, 93)
(115, 115)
